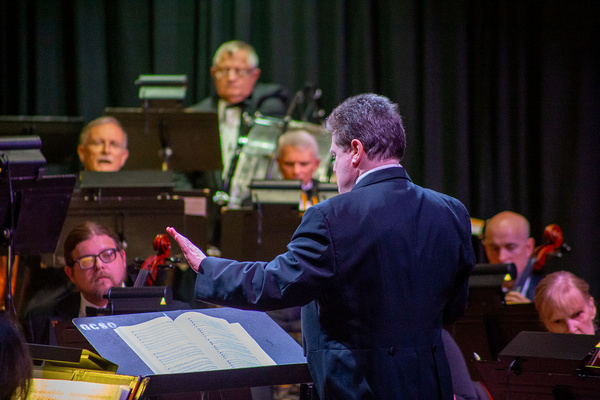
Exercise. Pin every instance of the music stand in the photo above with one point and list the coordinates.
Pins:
(32, 207)
(170, 139)
(59, 135)
(327, 191)
(276, 191)
(543, 365)
(118, 183)
(485, 283)
(489, 324)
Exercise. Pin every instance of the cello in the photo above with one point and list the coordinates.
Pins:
(553, 246)
(149, 269)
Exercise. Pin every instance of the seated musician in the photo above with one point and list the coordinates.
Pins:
(235, 72)
(95, 262)
(565, 305)
(298, 158)
(507, 240)
(103, 145)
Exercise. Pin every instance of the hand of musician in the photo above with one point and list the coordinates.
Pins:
(515, 298)
(192, 253)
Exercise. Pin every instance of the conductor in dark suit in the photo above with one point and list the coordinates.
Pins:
(377, 269)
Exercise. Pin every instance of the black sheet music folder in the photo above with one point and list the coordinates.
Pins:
(288, 355)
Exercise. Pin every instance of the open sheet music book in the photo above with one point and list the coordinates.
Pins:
(193, 342)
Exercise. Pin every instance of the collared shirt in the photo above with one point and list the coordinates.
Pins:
(229, 129)
(85, 303)
(377, 169)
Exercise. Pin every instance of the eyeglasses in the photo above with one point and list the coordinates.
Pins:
(106, 256)
(224, 72)
(112, 145)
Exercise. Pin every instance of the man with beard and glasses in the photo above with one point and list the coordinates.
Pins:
(95, 262)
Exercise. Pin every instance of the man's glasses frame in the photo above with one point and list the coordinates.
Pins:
(89, 261)
(240, 72)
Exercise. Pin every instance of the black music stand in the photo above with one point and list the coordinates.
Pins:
(32, 207)
(485, 283)
(489, 324)
(59, 135)
(170, 139)
(276, 191)
(543, 365)
(119, 183)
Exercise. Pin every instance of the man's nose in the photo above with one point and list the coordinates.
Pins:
(503, 255)
(232, 74)
(99, 264)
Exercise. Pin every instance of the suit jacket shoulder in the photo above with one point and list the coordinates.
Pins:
(207, 104)
(36, 325)
(267, 98)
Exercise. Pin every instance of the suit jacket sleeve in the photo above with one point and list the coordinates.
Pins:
(291, 279)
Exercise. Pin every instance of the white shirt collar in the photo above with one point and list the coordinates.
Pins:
(376, 169)
(85, 303)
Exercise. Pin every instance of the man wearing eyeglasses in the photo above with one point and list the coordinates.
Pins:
(103, 145)
(235, 72)
(95, 262)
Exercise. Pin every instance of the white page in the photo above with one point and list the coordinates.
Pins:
(56, 389)
(166, 349)
(230, 340)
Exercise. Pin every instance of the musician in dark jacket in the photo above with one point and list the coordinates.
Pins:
(95, 262)
(235, 72)
(378, 269)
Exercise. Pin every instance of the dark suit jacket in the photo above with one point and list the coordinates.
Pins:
(377, 270)
(37, 322)
(267, 98)
(534, 279)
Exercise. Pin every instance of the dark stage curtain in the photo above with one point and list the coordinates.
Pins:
(500, 98)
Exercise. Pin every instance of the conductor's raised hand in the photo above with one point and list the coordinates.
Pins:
(191, 252)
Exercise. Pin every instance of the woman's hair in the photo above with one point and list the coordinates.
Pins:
(552, 293)
(16, 367)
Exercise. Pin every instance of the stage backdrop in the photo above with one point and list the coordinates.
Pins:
(501, 99)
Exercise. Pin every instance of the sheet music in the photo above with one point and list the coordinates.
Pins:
(55, 389)
(232, 341)
(193, 342)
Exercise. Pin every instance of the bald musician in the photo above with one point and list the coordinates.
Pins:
(507, 240)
